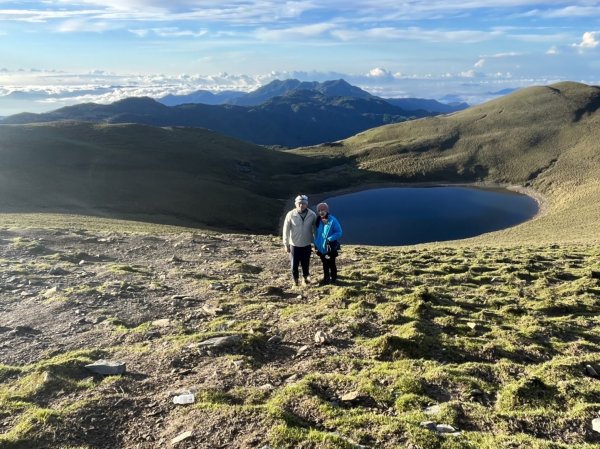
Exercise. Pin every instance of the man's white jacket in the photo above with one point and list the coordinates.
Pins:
(298, 231)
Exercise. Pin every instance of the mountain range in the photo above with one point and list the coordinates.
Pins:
(333, 88)
(285, 113)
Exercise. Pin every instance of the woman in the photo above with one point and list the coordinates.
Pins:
(327, 234)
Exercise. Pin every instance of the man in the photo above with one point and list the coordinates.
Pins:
(298, 235)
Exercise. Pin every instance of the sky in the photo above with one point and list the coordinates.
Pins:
(56, 52)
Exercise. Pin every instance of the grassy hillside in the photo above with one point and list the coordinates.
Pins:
(543, 138)
(168, 175)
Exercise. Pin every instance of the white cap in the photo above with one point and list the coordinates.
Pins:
(301, 199)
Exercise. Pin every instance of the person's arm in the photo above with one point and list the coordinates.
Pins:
(335, 232)
(286, 233)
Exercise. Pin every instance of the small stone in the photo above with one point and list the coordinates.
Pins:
(175, 259)
(445, 428)
(596, 425)
(182, 437)
(293, 378)
(238, 363)
(349, 397)
(212, 309)
(591, 371)
(302, 350)
(106, 367)
(221, 342)
(185, 398)
(321, 338)
(432, 410)
(267, 387)
(472, 325)
(81, 262)
(164, 322)
(430, 425)
(275, 339)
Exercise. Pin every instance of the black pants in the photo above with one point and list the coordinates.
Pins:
(329, 267)
(300, 255)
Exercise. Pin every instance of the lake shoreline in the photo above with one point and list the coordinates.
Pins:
(542, 202)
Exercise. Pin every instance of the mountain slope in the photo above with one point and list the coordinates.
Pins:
(277, 88)
(201, 96)
(186, 176)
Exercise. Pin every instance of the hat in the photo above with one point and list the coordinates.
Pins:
(301, 199)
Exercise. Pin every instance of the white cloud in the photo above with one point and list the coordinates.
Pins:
(379, 73)
(305, 31)
(588, 41)
(168, 32)
(479, 64)
(416, 33)
(573, 11)
(553, 51)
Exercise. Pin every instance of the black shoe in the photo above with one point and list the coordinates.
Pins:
(325, 281)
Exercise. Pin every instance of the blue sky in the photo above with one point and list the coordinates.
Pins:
(56, 52)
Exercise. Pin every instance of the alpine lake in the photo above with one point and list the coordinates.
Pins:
(394, 216)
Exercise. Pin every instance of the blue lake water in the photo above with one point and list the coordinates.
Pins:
(410, 215)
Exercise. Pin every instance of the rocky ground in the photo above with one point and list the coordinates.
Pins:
(423, 348)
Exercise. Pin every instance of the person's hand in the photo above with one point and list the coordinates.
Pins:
(286, 249)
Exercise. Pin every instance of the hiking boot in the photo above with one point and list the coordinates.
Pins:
(306, 280)
(325, 281)
(295, 283)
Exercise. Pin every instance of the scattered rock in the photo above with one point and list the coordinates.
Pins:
(164, 322)
(273, 291)
(185, 398)
(212, 309)
(321, 338)
(238, 364)
(430, 425)
(596, 425)
(221, 342)
(302, 350)
(445, 428)
(293, 378)
(275, 339)
(432, 410)
(349, 397)
(592, 371)
(182, 437)
(175, 259)
(106, 367)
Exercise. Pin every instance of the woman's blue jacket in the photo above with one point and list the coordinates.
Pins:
(327, 233)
